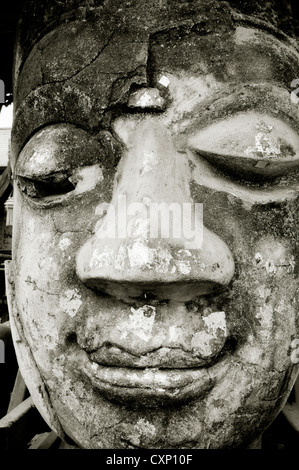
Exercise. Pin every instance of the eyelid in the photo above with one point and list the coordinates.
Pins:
(249, 143)
(61, 162)
(57, 149)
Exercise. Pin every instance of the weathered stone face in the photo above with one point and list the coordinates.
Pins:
(135, 340)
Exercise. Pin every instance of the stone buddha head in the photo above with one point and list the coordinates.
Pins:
(154, 283)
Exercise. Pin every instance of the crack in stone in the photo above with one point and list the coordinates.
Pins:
(85, 66)
(250, 366)
(42, 390)
(65, 232)
(66, 80)
(35, 286)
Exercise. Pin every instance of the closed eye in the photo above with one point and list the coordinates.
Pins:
(249, 145)
(62, 160)
(45, 188)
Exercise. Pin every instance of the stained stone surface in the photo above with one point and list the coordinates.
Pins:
(128, 336)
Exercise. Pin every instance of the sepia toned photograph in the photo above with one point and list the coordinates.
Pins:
(149, 227)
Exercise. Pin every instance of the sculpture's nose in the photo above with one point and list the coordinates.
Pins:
(150, 241)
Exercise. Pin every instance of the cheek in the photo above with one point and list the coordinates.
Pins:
(259, 236)
(262, 300)
(46, 241)
(45, 256)
(266, 292)
(47, 292)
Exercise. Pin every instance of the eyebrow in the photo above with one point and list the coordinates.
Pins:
(227, 103)
(256, 23)
(62, 107)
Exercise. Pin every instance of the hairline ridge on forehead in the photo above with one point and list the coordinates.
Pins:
(40, 18)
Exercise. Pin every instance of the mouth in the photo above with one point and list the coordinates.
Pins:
(159, 358)
(149, 386)
(151, 357)
(145, 386)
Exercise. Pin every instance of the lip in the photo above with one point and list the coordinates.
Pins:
(147, 386)
(160, 358)
(153, 373)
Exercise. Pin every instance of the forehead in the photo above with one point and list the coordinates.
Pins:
(66, 52)
(79, 70)
(39, 18)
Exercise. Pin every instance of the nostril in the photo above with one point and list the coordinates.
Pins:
(133, 291)
(154, 269)
(230, 346)
(148, 296)
(151, 297)
(71, 339)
